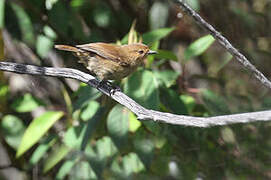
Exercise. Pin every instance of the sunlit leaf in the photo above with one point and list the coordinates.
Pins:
(198, 47)
(37, 128)
(89, 111)
(12, 129)
(228, 135)
(156, 35)
(189, 102)
(55, 157)
(42, 149)
(134, 124)
(117, 124)
(165, 54)
(43, 45)
(26, 103)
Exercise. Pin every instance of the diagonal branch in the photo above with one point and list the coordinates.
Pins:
(141, 112)
(225, 43)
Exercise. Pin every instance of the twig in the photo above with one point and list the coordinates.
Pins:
(225, 43)
(141, 112)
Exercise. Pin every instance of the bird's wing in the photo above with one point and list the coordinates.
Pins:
(107, 51)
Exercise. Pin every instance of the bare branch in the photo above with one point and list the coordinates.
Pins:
(141, 112)
(225, 43)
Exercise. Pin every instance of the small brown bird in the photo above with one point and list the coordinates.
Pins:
(109, 61)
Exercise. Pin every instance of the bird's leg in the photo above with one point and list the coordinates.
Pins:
(109, 85)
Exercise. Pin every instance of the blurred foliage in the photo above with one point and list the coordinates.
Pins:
(60, 129)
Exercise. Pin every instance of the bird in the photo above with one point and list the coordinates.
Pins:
(109, 61)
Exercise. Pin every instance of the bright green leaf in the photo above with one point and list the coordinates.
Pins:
(37, 128)
(74, 136)
(26, 103)
(55, 157)
(198, 47)
(166, 77)
(228, 135)
(13, 129)
(117, 124)
(134, 124)
(189, 102)
(44, 45)
(156, 35)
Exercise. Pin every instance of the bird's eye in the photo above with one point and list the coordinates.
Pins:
(140, 51)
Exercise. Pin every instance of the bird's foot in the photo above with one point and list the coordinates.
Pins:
(111, 88)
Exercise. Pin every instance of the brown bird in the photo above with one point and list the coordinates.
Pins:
(109, 61)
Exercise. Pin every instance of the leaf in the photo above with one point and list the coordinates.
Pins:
(85, 93)
(156, 35)
(43, 45)
(74, 136)
(172, 102)
(89, 111)
(142, 86)
(214, 103)
(42, 149)
(131, 164)
(228, 135)
(144, 148)
(117, 124)
(24, 23)
(134, 124)
(167, 77)
(55, 157)
(37, 128)
(26, 103)
(165, 54)
(189, 102)
(2, 13)
(12, 129)
(198, 47)
(66, 167)
(82, 170)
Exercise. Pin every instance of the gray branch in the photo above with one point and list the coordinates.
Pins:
(141, 112)
(225, 43)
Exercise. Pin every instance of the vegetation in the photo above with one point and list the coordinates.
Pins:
(59, 128)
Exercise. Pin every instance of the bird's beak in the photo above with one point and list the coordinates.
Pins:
(152, 52)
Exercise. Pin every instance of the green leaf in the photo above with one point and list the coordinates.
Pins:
(74, 136)
(2, 13)
(82, 170)
(189, 102)
(43, 45)
(55, 157)
(165, 54)
(85, 94)
(198, 47)
(142, 86)
(144, 148)
(134, 124)
(117, 124)
(89, 111)
(156, 35)
(37, 128)
(25, 24)
(216, 104)
(167, 77)
(172, 102)
(66, 167)
(27, 103)
(131, 164)
(228, 136)
(42, 149)
(12, 129)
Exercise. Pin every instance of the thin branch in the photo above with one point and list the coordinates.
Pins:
(225, 43)
(141, 112)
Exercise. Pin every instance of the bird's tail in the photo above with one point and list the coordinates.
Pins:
(67, 48)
